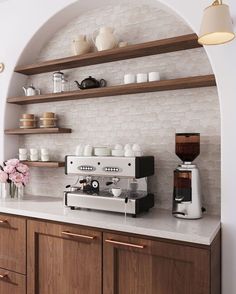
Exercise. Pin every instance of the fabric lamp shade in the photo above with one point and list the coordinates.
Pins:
(216, 26)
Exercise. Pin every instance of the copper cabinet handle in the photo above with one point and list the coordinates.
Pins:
(78, 235)
(3, 221)
(125, 244)
(3, 276)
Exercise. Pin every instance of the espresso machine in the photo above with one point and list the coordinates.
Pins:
(98, 177)
(187, 201)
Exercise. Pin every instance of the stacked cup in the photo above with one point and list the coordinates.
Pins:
(44, 154)
(22, 154)
(34, 156)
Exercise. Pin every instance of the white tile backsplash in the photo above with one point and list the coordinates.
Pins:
(150, 119)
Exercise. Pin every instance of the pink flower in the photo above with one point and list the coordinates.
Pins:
(3, 177)
(14, 162)
(16, 178)
(22, 168)
(9, 169)
(26, 179)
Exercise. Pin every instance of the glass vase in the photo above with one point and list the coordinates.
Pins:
(14, 191)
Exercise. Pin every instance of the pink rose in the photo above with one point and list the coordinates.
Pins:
(14, 162)
(9, 169)
(26, 179)
(22, 168)
(16, 178)
(3, 177)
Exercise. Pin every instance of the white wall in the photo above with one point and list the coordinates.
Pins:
(21, 19)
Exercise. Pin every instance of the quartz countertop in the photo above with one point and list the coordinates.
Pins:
(156, 223)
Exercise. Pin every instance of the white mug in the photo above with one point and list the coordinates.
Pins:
(154, 76)
(22, 157)
(129, 79)
(116, 191)
(79, 150)
(44, 157)
(44, 151)
(23, 151)
(33, 151)
(88, 150)
(34, 157)
(142, 78)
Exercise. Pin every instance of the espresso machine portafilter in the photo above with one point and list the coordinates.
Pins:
(97, 174)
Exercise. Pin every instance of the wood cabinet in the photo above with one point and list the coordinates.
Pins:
(13, 244)
(73, 259)
(12, 283)
(141, 266)
(63, 259)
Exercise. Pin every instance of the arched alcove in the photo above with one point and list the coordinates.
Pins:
(148, 119)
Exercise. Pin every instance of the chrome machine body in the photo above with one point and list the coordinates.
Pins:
(98, 175)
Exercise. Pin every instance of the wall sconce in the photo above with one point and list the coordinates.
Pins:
(217, 25)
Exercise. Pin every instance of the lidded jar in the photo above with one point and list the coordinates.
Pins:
(58, 78)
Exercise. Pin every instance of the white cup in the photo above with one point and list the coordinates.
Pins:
(22, 157)
(116, 191)
(154, 76)
(88, 150)
(23, 151)
(44, 151)
(33, 151)
(79, 150)
(129, 79)
(129, 153)
(45, 157)
(142, 78)
(34, 157)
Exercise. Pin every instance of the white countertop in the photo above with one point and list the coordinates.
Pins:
(156, 223)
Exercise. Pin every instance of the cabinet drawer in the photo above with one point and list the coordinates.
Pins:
(63, 259)
(142, 266)
(12, 283)
(13, 243)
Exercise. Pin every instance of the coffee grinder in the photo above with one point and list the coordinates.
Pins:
(187, 201)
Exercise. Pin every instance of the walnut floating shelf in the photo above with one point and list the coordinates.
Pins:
(164, 85)
(51, 164)
(37, 131)
(179, 43)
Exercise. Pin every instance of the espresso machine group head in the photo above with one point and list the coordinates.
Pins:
(187, 201)
(96, 175)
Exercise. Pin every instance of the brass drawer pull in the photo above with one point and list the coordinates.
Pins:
(125, 244)
(4, 276)
(3, 221)
(78, 235)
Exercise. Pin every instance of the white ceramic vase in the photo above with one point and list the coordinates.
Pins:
(105, 39)
(80, 45)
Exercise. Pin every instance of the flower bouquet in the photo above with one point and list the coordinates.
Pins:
(15, 175)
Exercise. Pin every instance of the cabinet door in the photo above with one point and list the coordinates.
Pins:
(12, 283)
(63, 259)
(140, 266)
(13, 243)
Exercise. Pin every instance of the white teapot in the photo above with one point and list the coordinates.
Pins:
(105, 39)
(80, 45)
